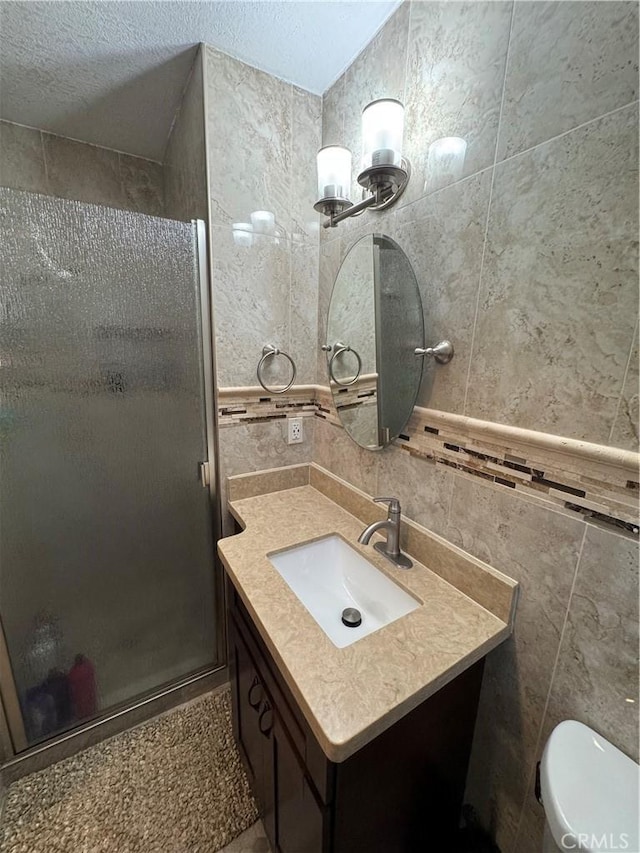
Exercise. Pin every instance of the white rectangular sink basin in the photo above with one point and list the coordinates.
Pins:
(328, 575)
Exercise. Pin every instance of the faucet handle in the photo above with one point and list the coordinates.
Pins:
(394, 503)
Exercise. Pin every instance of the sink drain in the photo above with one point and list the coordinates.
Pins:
(351, 617)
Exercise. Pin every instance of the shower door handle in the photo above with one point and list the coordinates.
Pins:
(205, 474)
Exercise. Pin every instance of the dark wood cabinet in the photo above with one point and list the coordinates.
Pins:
(400, 793)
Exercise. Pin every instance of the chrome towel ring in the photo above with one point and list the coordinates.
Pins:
(338, 349)
(271, 351)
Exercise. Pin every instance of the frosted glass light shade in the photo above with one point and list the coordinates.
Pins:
(382, 130)
(334, 172)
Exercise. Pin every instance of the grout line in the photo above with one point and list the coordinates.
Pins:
(567, 132)
(443, 189)
(488, 216)
(498, 163)
(504, 82)
(551, 680)
(624, 382)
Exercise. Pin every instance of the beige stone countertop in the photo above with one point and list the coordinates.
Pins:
(350, 695)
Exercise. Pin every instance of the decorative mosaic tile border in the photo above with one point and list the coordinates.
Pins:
(595, 481)
(363, 392)
(253, 405)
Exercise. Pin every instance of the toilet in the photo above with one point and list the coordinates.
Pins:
(590, 793)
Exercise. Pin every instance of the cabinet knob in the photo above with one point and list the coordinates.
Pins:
(255, 693)
(265, 720)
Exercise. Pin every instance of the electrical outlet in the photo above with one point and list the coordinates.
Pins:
(296, 433)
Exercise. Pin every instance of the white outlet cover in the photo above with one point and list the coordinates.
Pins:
(295, 431)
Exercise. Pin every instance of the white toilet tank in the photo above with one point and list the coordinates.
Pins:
(590, 792)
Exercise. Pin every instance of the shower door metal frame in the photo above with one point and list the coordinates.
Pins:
(18, 758)
(211, 429)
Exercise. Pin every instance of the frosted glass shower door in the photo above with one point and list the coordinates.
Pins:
(107, 585)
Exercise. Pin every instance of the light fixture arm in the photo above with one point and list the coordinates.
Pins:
(383, 195)
(354, 210)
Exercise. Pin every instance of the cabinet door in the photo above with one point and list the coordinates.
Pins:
(299, 818)
(250, 707)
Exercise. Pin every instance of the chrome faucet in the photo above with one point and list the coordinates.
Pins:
(391, 548)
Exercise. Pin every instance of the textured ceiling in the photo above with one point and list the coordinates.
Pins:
(112, 73)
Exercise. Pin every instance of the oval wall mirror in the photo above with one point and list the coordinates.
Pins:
(374, 326)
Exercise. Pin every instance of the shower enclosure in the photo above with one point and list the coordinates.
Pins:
(108, 515)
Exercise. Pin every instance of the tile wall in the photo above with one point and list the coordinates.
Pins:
(41, 162)
(262, 137)
(185, 166)
(526, 255)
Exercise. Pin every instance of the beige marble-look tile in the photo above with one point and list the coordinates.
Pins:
(423, 488)
(568, 63)
(254, 483)
(455, 76)
(21, 158)
(539, 549)
(624, 432)
(378, 72)
(355, 501)
(335, 451)
(306, 139)
(83, 172)
(558, 300)
(333, 113)
(330, 259)
(373, 222)
(304, 310)
(597, 671)
(530, 833)
(185, 177)
(142, 185)
(597, 668)
(443, 236)
(249, 141)
(263, 445)
(257, 447)
(251, 286)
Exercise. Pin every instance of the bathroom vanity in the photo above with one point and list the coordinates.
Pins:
(365, 747)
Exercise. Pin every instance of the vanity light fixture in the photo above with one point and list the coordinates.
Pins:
(384, 173)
